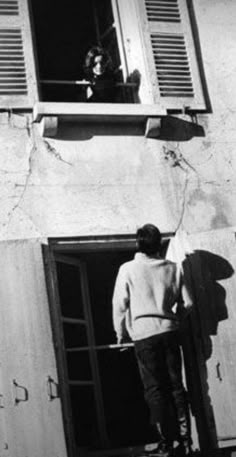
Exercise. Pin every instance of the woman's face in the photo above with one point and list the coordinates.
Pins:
(98, 66)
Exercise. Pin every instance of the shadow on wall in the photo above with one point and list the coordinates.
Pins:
(168, 128)
(203, 270)
(173, 129)
(84, 131)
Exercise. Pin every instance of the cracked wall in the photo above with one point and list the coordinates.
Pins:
(96, 179)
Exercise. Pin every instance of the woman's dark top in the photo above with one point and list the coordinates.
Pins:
(103, 89)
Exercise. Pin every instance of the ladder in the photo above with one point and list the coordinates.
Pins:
(86, 321)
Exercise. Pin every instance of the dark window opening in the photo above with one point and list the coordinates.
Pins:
(125, 412)
(63, 35)
(101, 392)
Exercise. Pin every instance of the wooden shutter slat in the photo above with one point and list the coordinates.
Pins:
(13, 92)
(161, 55)
(161, 9)
(176, 84)
(11, 32)
(9, 72)
(7, 12)
(12, 65)
(13, 80)
(9, 46)
(13, 58)
(17, 64)
(11, 52)
(16, 87)
(174, 78)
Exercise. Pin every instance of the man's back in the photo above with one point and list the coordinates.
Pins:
(147, 287)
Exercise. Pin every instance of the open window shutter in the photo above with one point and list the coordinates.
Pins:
(159, 47)
(18, 87)
(33, 417)
(170, 49)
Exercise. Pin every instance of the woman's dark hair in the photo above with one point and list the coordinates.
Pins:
(89, 60)
(148, 239)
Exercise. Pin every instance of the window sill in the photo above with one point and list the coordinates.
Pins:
(48, 113)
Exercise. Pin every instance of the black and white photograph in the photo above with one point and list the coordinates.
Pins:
(117, 228)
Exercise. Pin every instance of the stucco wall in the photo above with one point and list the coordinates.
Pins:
(97, 179)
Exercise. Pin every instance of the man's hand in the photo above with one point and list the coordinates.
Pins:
(120, 340)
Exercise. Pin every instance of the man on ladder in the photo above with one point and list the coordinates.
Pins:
(150, 300)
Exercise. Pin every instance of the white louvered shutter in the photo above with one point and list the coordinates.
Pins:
(171, 54)
(18, 88)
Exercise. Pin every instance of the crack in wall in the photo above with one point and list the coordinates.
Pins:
(12, 172)
(50, 149)
(175, 157)
(28, 175)
(55, 153)
(183, 202)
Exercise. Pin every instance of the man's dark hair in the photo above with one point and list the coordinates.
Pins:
(148, 239)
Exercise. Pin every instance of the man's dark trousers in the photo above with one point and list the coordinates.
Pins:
(160, 366)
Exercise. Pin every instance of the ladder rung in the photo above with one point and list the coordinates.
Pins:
(71, 320)
(100, 347)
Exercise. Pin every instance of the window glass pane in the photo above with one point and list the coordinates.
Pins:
(63, 34)
(75, 335)
(101, 284)
(104, 15)
(78, 364)
(70, 291)
(83, 411)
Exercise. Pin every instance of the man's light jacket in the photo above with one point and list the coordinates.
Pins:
(149, 298)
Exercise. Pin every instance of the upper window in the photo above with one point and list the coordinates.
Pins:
(151, 44)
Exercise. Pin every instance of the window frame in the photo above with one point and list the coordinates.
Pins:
(64, 246)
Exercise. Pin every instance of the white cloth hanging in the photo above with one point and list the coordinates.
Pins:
(179, 248)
